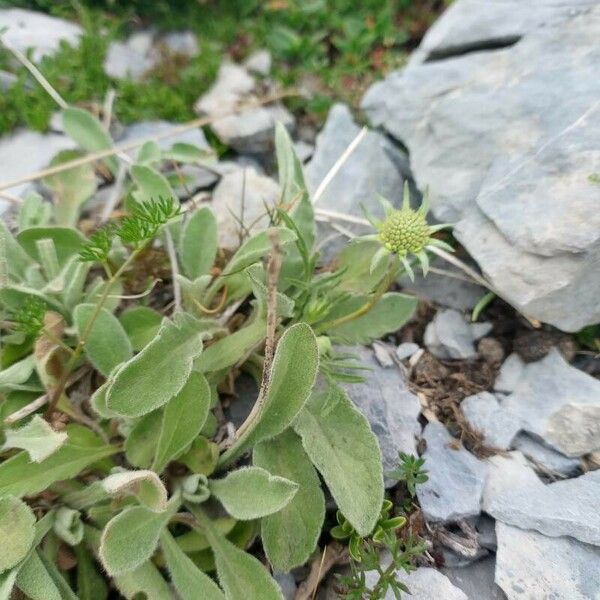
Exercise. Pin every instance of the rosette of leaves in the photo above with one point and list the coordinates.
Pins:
(110, 400)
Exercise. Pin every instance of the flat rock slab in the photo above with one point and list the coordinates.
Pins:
(424, 584)
(476, 580)
(505, 152)
(456, 478)
(375, 168)
(43, 33)
(559, 404)
(390, 407)
(516, 496)
(545, 459)
(531, 566)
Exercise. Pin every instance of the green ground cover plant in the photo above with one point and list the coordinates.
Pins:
(116, 471)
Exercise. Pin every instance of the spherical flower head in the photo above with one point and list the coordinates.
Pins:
(405, 231)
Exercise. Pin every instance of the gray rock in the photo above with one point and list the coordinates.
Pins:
(509, 375)
(43, 33)
(6, 80)
(456, 478)
(449, 336)
(406, 350)
(304, 151)
(486, 533)
(445, 291)
(242, 196)
(247, 132)
(287, 583)
(181, 42)
(145, 129)
(484, 413)
(493, 137)
(374, 168)
(545, 459)
(516, 496)
(551, 398)
(476, 580)
(531, 566)
(133, 58)
(391, 409)
(193, 178)
(424, 584)
(37, 148)
(259, 62)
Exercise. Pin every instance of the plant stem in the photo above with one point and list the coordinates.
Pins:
(62, 383)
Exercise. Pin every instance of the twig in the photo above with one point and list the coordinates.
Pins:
(174, 269)
(336, 554)
(338, 164)
(26, 410)
(108, 108)
(323, 214)
(461, 265)
(194, 124)
(10, 198)
(36, 73)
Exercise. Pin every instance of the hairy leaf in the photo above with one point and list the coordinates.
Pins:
(251, 493)
(152, 377)
(37, 438)
(144, 484)
(190, 582)
(290, 384)
(141, 325)
(35, 581)
(241, 575)
(17, 260)
(67, 242)
(198, 244)
(387, 316)
(131, 537)
(21, 477)
(140, 444)
(340, 443)
(183, 418)
(152, 185)
(290, 536)
(107, 344)
(17, 530)
(356, 259)
(89, 133)
(17, 374)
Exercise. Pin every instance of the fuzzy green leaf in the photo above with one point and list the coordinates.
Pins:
(21, 477)
(251, 493)
(290, 536)
(67, 242)
(387, 316)
(198, 244)
(35, 581)
(152, 185)
(107, 344)
(241, 575)
(37, 438)
(17, 530)
(17, 374)
(90, 584)
(183, 418)
(190, 582)
(140, 444)
(152, 377)
(130, 538)
(141, 325)
(290, 384)
(356, 259)
(89, 133)
(340, 443)
(144, 484)
(17, 260)
(144, 582)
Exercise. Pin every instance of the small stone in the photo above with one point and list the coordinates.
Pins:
(424, 584)
(449, 336)
(551, 397)
(510, 374)
(43, 33)
(389, 406)
(456, 478)
(532, 566)
(133, 58)
(406, 350)
(193, 178)
(183, 43)
(476, 580)
(383, 354)
(259, 62)
(485, 414)
(491, 350)
(515, 495)
(545, 459)
(255, 191)
(287, 583)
